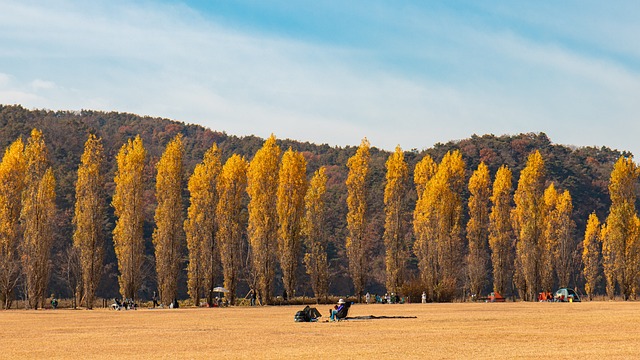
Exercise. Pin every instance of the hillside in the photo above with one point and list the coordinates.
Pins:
(582, 171)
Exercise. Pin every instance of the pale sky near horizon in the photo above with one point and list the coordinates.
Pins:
(408, 73)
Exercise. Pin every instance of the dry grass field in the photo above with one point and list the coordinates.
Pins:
(595, 330)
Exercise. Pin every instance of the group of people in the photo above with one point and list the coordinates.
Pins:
(387, 298)
(126, 304)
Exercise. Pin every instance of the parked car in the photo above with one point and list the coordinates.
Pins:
(566, 295)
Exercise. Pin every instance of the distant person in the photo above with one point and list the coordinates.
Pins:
(252, 297)
(54, 303)
(424, 297)
(367, 298)
(154, 298)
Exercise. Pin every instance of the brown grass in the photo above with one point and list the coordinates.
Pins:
(509, 330)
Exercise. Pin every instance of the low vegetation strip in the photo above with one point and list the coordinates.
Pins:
(463, 330)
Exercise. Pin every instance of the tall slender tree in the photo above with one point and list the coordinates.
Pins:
(232, 185)
(548, 246)
(315, 234)
(423, 221)
(292, 187)
(395, 193)
(528, 221)
(89, 217)
(168, 236)
(566, 252)
(128, 205)
(357, 242)
(591, 255)
(262, 187)
(478, 229)
(201, 226)
(12, 172)
(501, 235)
(620, 245)
(37, 217)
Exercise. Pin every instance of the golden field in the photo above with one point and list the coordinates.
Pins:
(590, 330)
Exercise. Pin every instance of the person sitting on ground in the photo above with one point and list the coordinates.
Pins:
(340, 311)
(54, 303)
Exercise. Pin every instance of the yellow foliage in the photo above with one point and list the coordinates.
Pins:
(168, 236)
(89, 216)
(394, 227)
(591, 254)
(314, 230)
(478, 228)
(501, 232)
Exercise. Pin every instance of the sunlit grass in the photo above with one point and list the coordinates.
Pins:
(481, 330)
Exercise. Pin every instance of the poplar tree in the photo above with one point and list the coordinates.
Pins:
(500, 231)
(12, 172)
(201, 226)
(292, 187)
(394, 226)
(566, 251)
(168, 236)
(315, 234)
(620, 245)
(232, 185)
(37, 218)
(478, 229)
(423, 221)
(528, 222)
(89, 217)
(437, 222)
(548, 246)
(591, 255)
(128, 205)
(357, 242)
(262, 177)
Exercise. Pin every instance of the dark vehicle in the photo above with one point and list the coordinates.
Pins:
(566, 295)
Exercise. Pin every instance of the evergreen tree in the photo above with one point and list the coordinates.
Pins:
(292, 188)
(232, 185)
(89, 217)
(128, 205)
(357, 242)
(315, 234)
(394, 226)
(200, 226)
(478, 229)
(12, 172)
(262, 177)
(168, 236)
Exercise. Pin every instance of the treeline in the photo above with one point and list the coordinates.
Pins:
(372, 232)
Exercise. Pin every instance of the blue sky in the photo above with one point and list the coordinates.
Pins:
(408, 73)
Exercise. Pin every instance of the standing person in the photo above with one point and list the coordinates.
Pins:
(154, 298)
(367, 298)
(252, 297)
(424, 297)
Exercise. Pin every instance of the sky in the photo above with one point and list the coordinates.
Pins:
(408, 73)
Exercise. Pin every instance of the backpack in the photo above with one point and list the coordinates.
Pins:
(300, 316)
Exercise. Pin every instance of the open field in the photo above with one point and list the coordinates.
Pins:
(481, 330)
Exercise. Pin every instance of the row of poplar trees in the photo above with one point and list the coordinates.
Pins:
(523, 239)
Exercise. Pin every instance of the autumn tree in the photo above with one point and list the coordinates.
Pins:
(89, 217)
(262, 186)
(357, 243)
(528, 222)
(292, 187)
(565, 255)
(201, 226)
(37, 218)
(591, 258)
(168, 236)
(12, 172)
(232, 185)
(437, 222)
(315, 234)
(620, 243)
(394, 226)
(478, 229)
(548, 245)
(423, 221)
(501, 232)
(128, 205)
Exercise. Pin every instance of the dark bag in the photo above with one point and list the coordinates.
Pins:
(300, 316)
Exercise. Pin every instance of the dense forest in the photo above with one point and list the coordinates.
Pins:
(584, 172)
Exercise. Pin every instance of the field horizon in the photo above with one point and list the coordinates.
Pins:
(478, 330)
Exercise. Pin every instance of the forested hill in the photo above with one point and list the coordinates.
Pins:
(582, 171)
